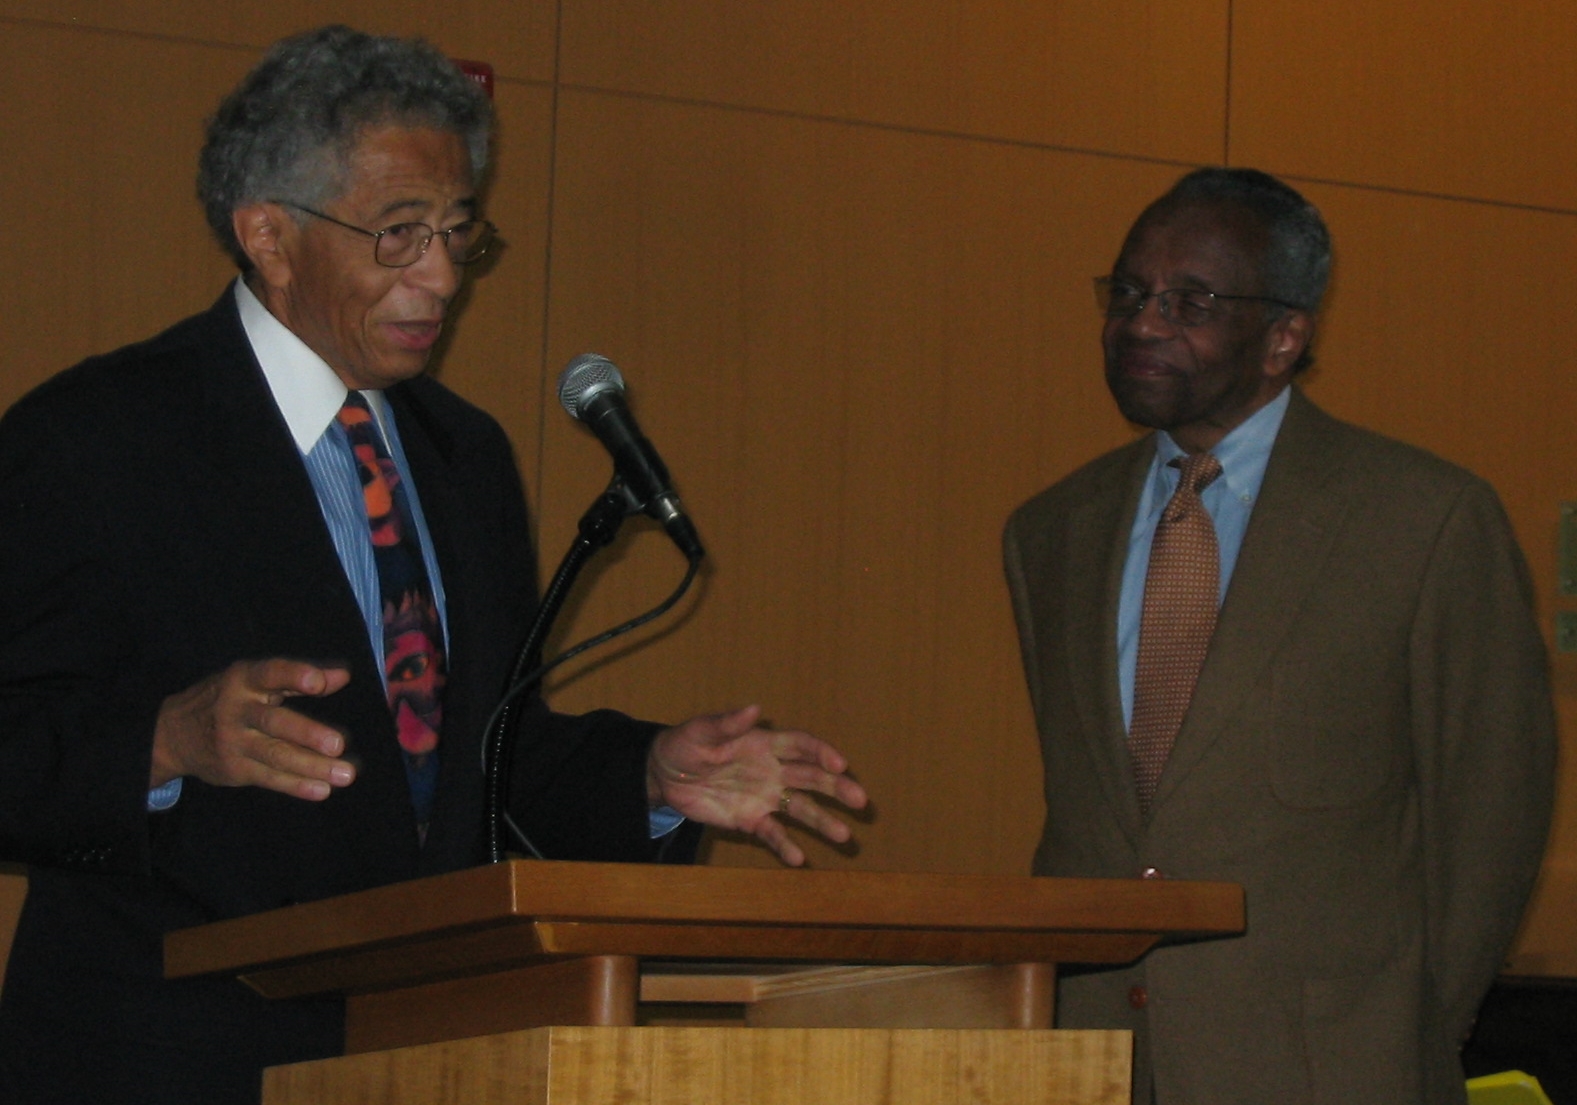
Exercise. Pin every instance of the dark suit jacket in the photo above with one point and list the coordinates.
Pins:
(1369, 752)
(158, 525)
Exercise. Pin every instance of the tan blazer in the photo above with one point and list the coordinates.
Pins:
(1369, 752)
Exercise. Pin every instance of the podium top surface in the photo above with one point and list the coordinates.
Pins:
(872, 916)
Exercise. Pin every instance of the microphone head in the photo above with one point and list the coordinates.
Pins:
(586, 377)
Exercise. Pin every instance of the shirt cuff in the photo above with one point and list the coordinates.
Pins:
(661, 821)
(163, 798)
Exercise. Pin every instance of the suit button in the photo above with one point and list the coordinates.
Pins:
(1151, 873)
(1138, 997)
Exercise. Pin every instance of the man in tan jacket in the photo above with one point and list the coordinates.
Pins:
(1368, 745)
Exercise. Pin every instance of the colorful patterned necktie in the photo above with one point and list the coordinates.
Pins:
(412, 635)
(1181, 592)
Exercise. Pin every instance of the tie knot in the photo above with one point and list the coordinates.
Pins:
(1198, 471)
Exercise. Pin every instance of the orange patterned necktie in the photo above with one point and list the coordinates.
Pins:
(1182, 589)
(412, 635)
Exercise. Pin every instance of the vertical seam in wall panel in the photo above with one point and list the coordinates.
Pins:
(544, 399)
(1226, 115)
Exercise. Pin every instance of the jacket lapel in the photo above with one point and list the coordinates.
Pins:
(253, 490)
(1098, 534)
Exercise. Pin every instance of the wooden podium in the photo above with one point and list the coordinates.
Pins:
(643, 969)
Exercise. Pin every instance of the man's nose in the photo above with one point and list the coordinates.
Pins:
(434, 271)
(1150, 319)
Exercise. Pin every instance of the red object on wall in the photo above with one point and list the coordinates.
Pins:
(480, 72)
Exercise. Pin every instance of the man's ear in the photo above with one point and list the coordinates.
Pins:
(266, 233)
(1289, 336)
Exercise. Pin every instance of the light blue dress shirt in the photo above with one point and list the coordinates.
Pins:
(1229, 500)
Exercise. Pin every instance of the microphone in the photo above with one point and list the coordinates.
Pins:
(592, 390)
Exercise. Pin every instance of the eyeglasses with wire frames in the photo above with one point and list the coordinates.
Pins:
(1187, 307)
(403, 244)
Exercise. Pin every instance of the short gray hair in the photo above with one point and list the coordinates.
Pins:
(288, 129)
(1297, 264)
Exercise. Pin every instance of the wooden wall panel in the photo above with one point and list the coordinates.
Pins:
(518, 38)
(110, 155)
(493, 352)
(858, 349)
(1139, 77)
(1448, 98)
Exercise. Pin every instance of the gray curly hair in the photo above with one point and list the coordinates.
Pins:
(288, 129)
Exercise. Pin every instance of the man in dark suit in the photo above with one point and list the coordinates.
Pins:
(1368, 746)
(218, 692)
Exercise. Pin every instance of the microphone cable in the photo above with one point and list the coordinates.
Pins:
(535, 676)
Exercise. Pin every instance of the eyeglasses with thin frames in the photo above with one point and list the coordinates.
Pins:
(403, 244)
(1187, 307)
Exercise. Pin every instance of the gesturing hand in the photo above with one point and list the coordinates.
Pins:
(722, 770)
(233, 730)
